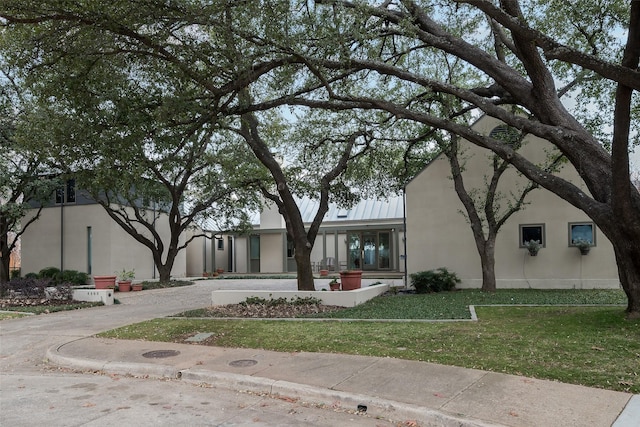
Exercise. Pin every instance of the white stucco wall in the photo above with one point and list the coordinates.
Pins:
(439, 236)
(271, 253)
(112, 249)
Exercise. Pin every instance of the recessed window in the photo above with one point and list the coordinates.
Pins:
(530, 232)
(511, 136)
(582, 232)
(220, 244)
(66, 193)
(291, 250)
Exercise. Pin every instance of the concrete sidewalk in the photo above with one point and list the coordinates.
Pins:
(394, 389)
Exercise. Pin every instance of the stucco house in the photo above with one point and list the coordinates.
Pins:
(438, 235)
(75, 233)
(369, 236)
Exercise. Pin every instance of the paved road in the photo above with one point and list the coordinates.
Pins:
(33, 392)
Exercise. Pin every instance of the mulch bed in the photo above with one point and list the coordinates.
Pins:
(269, 311)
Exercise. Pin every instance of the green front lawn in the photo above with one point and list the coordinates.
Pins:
(593, 346)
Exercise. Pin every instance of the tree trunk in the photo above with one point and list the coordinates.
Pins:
(164, 269)
(627, 254)
(488, 261)
(303, 267)
(165, 272)
(4, 266)
(5, 254)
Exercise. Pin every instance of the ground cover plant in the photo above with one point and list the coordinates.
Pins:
(589, 345)
(146, 285)
(455, 305)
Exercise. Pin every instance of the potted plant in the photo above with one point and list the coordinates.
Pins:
(324, 272)
(533, 246)
(220, 270)
(334, 285)
(583, 245)
(124, 280)
(104, 282)
(351, 279)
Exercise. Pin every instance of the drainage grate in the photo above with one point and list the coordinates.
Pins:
(159, 354)
(243, 363)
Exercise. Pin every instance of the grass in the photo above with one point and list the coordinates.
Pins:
(455, 305)
(592, 346)
(146, 285)
(40, 309)
(11, 315)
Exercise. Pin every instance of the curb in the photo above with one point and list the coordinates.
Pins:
(120, 368)
(375, 407)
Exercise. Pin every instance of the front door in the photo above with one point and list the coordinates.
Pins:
(369, 250)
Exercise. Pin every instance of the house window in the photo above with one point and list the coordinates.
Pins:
(530, 232)
(220, 244)
(582, 231)
(66, 193)
(291, 251)
(511, 136)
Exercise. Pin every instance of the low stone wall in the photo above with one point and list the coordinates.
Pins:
(94, 295)
(339, 298)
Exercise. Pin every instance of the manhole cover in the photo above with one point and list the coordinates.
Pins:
(243, 363)
(159, 354)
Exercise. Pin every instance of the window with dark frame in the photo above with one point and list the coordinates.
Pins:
(290, 248)
(66, 193)
(530, 232)
(582, 231)
(220, 244)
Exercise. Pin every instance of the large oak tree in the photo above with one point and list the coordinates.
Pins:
(589, 50)
(126, 74)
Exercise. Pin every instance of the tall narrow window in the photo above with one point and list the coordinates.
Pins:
(220, 244)
(71, 191)
(89, 249)
(66, 193)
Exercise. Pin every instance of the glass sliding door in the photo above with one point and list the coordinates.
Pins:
(369, 250)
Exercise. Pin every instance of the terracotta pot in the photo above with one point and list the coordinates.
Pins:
(324, 273)
(136, 287)
(351, 279)
(124, 286)
(104, 282)
(220, 270)
(334, 286)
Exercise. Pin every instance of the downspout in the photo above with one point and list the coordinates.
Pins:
(204, 253)
(62, 235)
(404, 237)
(153, 263)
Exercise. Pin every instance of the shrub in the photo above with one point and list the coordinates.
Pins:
(15, 273)
(52, 273)
(26, 287)
(58, 277)
(34, 288)
(437, 280)
(74, 277)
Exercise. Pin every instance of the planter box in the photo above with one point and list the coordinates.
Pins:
(342, 299)
(104, 282)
